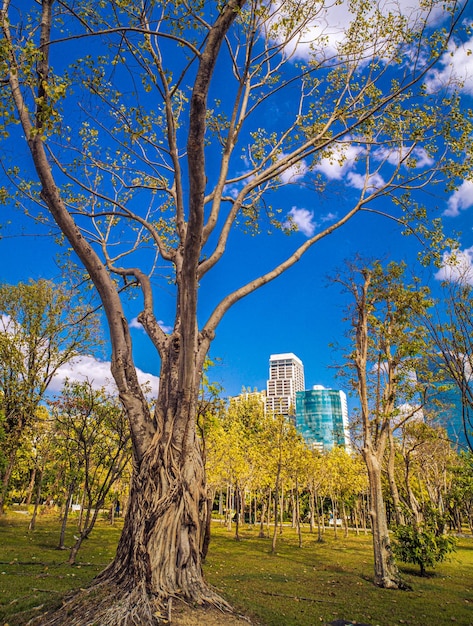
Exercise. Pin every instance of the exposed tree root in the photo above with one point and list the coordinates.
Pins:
(105, 604)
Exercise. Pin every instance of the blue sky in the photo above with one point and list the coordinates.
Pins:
(300, 311)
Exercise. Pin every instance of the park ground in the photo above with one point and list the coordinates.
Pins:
(320, 583)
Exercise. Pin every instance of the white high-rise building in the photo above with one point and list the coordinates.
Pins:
(286, 377)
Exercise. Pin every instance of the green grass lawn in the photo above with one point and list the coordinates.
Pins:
(321, 582)
(304, 586)
(33, 574)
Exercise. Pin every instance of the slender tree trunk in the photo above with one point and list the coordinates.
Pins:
(30, 490)
(334, 517)
(357, 527)
(262, 534)
(345, 519)
(237, 509)
(80, 520)
(229, 511)
(320, 522)
(208, 521)
(386, 574)
(220, 503)
(321, 518)
(268, 511)
(85, 532)
(276, 506)
(293, 509)
(62, 535)
(298, 516)
(37, 500)
(399, 517)
(281, 509)
(311, 510)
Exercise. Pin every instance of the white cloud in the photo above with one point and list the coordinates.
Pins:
(455, 69)
(303, 219)
(341, 160)
(97, 373)
(462, 198)
(457, 266)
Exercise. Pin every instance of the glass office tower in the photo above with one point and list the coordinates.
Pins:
(322, 418)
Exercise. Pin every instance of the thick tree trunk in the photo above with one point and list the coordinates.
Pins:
(386, 573)
(160, 544)
(159, 554)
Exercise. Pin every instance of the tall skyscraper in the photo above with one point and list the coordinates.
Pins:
(322, 418)
(286, 378)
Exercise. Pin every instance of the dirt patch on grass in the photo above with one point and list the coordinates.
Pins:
(185, 615)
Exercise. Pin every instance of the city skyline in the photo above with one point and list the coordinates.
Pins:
(319, 414)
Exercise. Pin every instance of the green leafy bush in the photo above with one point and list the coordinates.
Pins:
(423, 547)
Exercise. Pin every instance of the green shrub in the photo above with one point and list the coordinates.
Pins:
(422, 547)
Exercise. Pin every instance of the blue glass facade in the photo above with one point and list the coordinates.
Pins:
(322, 418)
(449, 415)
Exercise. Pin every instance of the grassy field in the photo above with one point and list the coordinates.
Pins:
(315, 584)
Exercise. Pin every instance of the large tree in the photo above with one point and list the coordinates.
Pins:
(155, 129)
